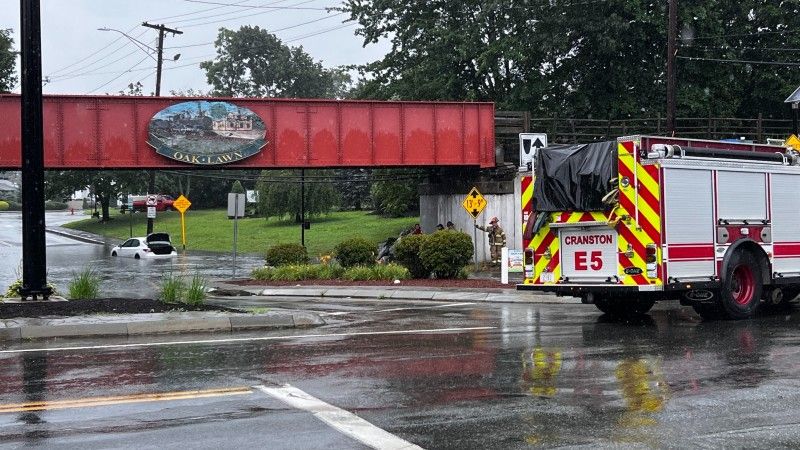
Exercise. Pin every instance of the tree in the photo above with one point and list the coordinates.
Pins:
(550, 58)
(8, 62)
(253, 62)
(105, 185)
(279, 194)
(353, 187)
(237, 187)
(394, 191)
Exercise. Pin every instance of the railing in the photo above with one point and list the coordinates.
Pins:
(570, 130)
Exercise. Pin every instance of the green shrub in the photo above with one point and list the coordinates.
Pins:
(406, 253)
(297, 272)
(14, 206)
(359, 273)
(284, 254)
(172, 289)
(54, 206)
(355, 252)
(84, 285)
(196, 292)
(446, 253)
(391, 272)
(13, 289)
(4, 206)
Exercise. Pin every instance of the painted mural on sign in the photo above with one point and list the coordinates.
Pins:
(207, 132)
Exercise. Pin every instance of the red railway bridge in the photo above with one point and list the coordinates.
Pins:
(111, 132)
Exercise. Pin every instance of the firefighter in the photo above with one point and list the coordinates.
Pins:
(497, 238)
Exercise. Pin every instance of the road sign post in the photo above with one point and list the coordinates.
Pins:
(182, 204)
(236, 209)
(529, 144)
(474, 203)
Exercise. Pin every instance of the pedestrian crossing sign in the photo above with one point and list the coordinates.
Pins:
(474, 203)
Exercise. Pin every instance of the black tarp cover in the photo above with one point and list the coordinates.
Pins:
(574, 177)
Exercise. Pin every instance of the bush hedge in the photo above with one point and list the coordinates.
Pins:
(51, 205)
(4, 205)
(285, 254)
(406, 253)
(355, 252)
(445, 253)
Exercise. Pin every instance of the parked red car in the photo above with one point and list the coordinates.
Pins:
(164, 203)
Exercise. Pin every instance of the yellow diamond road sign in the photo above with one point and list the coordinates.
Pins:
(474, 203)
(793, 142)
(181, 204)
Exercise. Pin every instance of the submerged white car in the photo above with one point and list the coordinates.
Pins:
(153, 246)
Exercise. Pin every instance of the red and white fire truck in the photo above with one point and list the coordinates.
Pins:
(625, 224)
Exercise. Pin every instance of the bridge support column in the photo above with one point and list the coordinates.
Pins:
(441, 197)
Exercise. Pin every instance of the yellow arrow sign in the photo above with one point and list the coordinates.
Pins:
(474, 203)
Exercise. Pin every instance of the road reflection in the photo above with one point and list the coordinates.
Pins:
(561, 376)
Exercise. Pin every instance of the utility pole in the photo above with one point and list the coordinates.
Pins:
(303, 207)
(151, 183)
(672, 37)
(34, 252)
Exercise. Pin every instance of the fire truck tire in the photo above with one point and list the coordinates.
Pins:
(623, 307)
(740, 294)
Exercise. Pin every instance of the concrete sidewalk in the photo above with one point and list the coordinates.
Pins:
(153, 323)
(223, 289)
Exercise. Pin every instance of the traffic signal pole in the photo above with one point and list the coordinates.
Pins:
(34, 253)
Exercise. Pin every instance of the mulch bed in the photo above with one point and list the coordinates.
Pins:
(462, 284)
(97, 306)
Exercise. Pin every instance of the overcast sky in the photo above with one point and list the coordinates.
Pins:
(80, 59)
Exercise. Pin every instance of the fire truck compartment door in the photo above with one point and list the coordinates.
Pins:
(588, 253)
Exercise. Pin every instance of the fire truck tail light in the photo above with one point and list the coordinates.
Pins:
(650, 253)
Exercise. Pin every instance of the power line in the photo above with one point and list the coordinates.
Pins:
(233, 12)
(247, 15)
(98, 60)
(740, 61)
(202, 44)
(90, 55)
(76, 74)
(131, 69)
(723, 47)
(757, 33)
(251, 6)
(161, 19)
(350, 24)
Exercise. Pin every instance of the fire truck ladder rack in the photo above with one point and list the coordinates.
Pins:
(658, 151)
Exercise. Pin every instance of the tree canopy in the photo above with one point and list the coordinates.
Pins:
(582, 58)
(253, 62)
(8, 62)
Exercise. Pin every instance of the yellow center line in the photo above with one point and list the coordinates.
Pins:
(122, 399)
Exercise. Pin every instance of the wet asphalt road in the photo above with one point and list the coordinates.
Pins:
(121, 277)
(535, 376)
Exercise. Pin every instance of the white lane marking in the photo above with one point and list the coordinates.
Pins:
(339, 419)
(250, 339)
(405, 308)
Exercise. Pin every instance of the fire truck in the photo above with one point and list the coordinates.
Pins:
(624, 224)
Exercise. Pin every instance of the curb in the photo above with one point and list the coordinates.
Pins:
(77, 237)
(398, 294)
(130, 329)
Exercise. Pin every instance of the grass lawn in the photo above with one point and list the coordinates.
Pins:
(212, 230)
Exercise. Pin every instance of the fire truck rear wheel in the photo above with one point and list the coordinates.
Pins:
(623, 306)
(740, 295)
